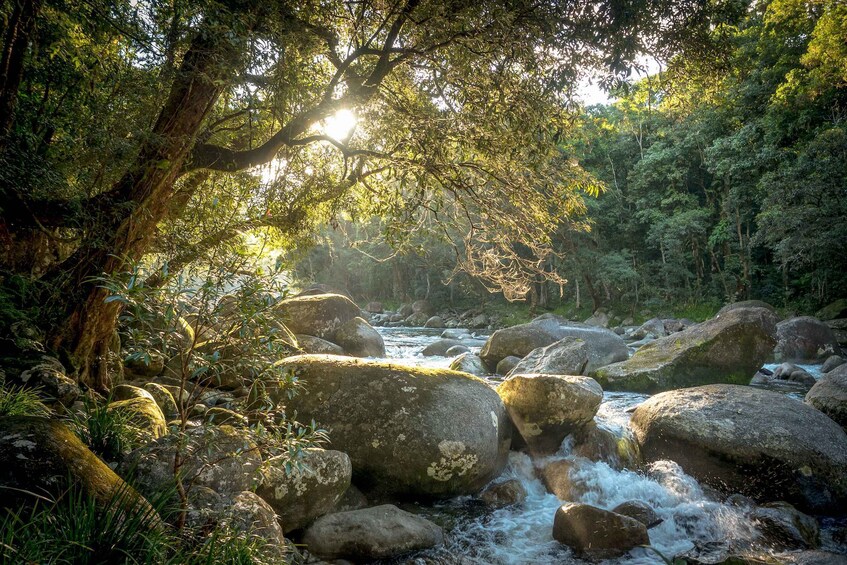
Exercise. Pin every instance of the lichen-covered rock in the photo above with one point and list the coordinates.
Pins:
(729, 348)
(505, 493)
(468, 363)
(142, 413)
(359, 339)
(219, 457)
(597, 534)
(304, 490)
(164, 399)
(546, 408)
(407, 430)
(49, 376)
(319, 315)
(804, 339)
(312, 344)
(43, 457)
(381, 532)
(756, 442)
(829, 395)
(146, 365)
(604, 346)
(568, 356)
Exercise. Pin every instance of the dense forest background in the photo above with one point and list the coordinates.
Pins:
(723, 179)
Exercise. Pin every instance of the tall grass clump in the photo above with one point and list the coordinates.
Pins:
(20, 401)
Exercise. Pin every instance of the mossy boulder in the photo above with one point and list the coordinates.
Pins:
(546, 408)
(755, 442)
(43, 457)
(143, 414)
(359, 339)
(304, 490)
(319, 315)
(407, 430)
(833, 310)
(164, 399)
(729, 348)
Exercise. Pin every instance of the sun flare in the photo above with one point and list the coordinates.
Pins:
(339, 125)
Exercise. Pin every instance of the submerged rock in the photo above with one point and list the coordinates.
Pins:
(726, 349)
(546, 408)
(407, 430)
(804, 339)
(504, 493)
(304, 490)
(319, 315)
(756, 442)
(381, 532)
(597, 534)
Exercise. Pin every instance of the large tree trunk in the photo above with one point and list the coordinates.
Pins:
(15, 45)
(128, 214)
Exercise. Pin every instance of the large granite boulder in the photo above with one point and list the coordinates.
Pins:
(468, 363)
(546, 408)
(604, 346)
(568, 356)
(742, 439)
(407, 430)
(319, 315)
(359, 339)
(804, 339)
(595, 533)
(829, 395)
(312, 344)
(307, 489)
(42, 457)
(833, 310)
(747, 304)
(381, 532)
(729, 348)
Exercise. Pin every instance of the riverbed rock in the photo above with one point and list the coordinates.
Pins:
(143, 414)
(44, 457)
(304, 490)
(804, 339)
(756, 442)
(793, 373)
(596, 442)
(747, 304)
(604, 346)
(440, 347)
(546, 408)
(407, 430)
(434, 322)
(829, 395)
(833, 310)
(145, 365)
(653, 327)
(729, 348)
(319, 315)
(312, 344)
(568, 356)
(505, 493)
(785, 527)
(49, 376)
(468, 363)
(597, 534)
(831, 363)
(381, 532)
(555, 474)
(638, 510)
(359, 339)
(219, 457)
(506, 364)
(164, 399)
(457, 350)
(374, 307)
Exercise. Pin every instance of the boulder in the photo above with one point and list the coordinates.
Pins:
(312, 344)
(604, 346)
(791, 372)
(221, 458)
(407, 430)
(546, 408)
(505, 493)
(145, 365)
(416, 320)
(457, 350)
(374, 307)
(654, 327)
(596, 442)
(455, 333)
(307, 489)
(127, 392)
(829, 395)
(434, 322)
(43, 457)
(381, 532)
(319, 315)
(597, 534)
(439, 348)
(804, 339)
(248, 513)
(746, 304)
(359, 339)
(755, 442)
(834, 310)
(422, 307)
(638, 510)
(598, 319)
(556, 477)
(831, 363)
(143, 414)
(784, 527)
(729, 348)
(405, 310)
(506, 364)
(568, 356)
(164, 399)
(49, 376)
(468, 363)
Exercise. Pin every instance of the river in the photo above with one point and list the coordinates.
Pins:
(694, 518)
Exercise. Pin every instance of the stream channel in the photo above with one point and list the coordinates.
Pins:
(695, 520)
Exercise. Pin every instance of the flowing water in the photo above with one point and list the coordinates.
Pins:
(694, 519)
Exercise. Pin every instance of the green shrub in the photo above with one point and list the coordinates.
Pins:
(108, 433)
